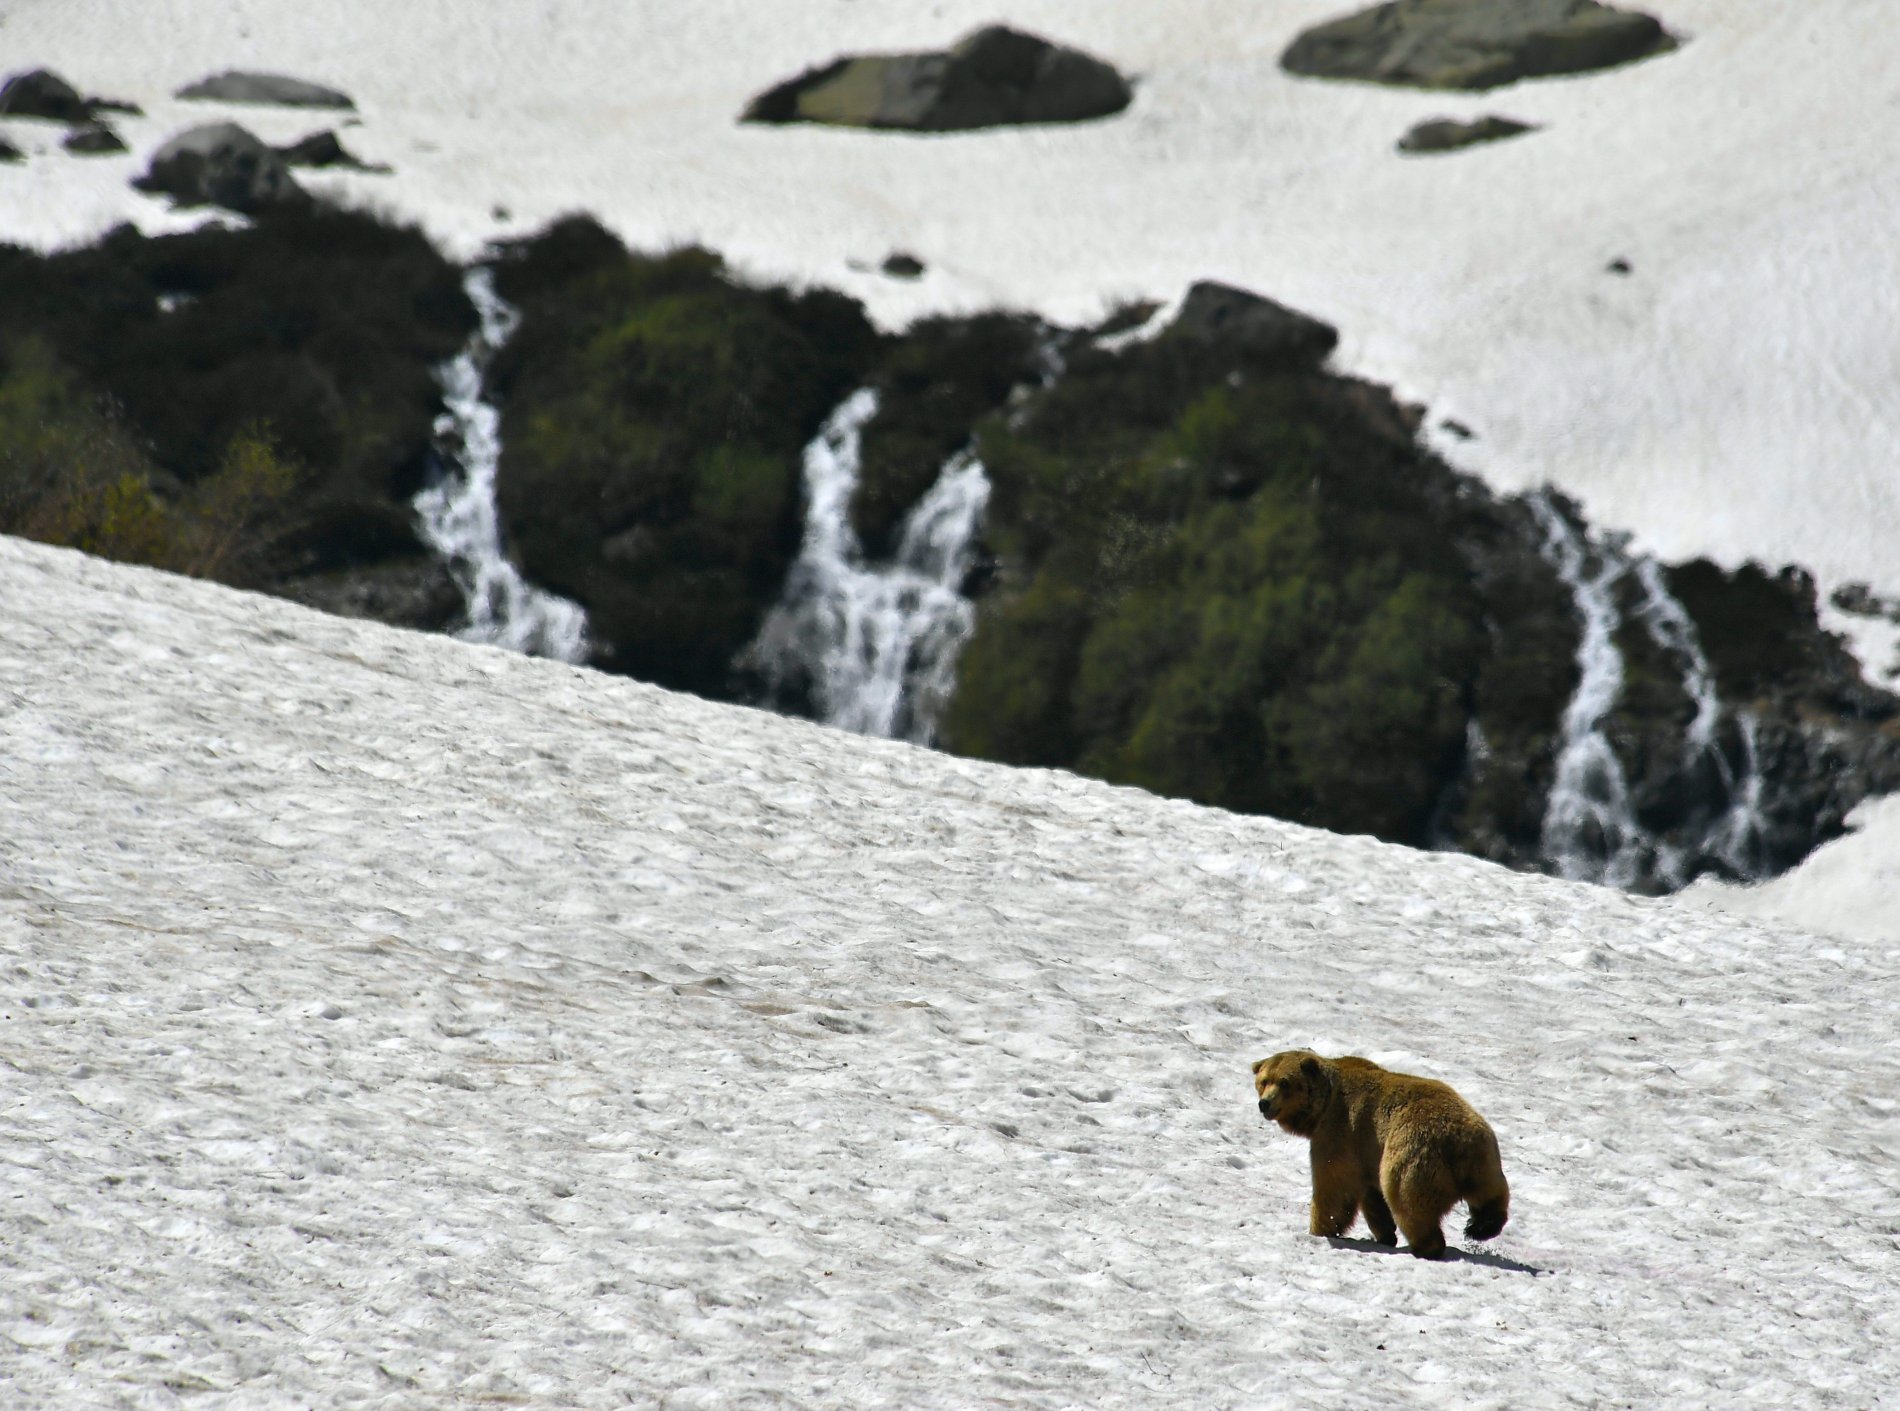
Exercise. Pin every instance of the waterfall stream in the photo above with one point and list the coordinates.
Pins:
(458, 515)
(1590, 829)
(874, 645)
(1590, 832)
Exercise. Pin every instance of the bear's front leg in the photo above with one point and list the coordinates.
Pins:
(1335, 1194)
(1333, 1216)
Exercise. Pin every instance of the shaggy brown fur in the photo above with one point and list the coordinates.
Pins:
(1399, 1148)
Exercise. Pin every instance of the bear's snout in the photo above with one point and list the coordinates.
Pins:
(1266, 1108)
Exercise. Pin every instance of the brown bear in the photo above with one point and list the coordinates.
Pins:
(1389, 1144)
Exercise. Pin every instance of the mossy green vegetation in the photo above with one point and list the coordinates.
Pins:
(934, 384)
(313, 333)
(71, 474)
(656, 412)
(1221, 582)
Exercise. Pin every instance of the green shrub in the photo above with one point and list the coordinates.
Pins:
(656, 414)
(71, 474)
(1222, 585)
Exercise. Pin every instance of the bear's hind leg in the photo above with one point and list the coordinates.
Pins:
(1488, 1212)
(1488, 1198)
(1419, 1196)
(1379, 1217)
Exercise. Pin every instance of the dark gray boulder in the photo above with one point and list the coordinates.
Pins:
(93, 139)
(993, 78)
(10, 153)
(1474, 44)
(236, 86)
(1448, 135)
(1859, 600)
(43, 94)
(324, 149)
(221, 164)
(1255, 326)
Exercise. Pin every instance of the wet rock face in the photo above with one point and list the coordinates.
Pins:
(222, 164)
(1474, 44)
(995, 77)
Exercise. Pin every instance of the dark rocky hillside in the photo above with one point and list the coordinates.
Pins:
(306, 343)
(1209, 566)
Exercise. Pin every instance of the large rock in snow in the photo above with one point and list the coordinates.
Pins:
(222, 164)
(1474, 44)
(1450, 135)
(995, 77)
(44, 94)
(1251, 324)
(93, 139)
(236, 86)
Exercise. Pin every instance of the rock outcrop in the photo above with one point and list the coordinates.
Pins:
(222, 164)
(1448, 134)
(324, 149)
(93, 139)
(995, 77)
(42, 93)
(1474, 44)
(1248, 324)
(236, 86)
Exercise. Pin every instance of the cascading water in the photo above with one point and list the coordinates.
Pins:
(458, 516)
(874, 645)
(1734, 837)
(1590, 830)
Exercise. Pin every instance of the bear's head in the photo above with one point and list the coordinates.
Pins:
(1294, 1089)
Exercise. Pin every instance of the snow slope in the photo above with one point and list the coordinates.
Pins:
(389, 1021)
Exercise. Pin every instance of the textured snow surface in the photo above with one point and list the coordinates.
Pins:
(388, 1021)
(1850, 886)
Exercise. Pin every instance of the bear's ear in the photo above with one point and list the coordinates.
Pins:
(1258, 1065)
(1309, 1066)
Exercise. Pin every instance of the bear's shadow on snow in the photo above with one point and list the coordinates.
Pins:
(1451, 1256)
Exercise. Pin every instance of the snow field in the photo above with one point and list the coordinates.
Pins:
(395, 1022)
